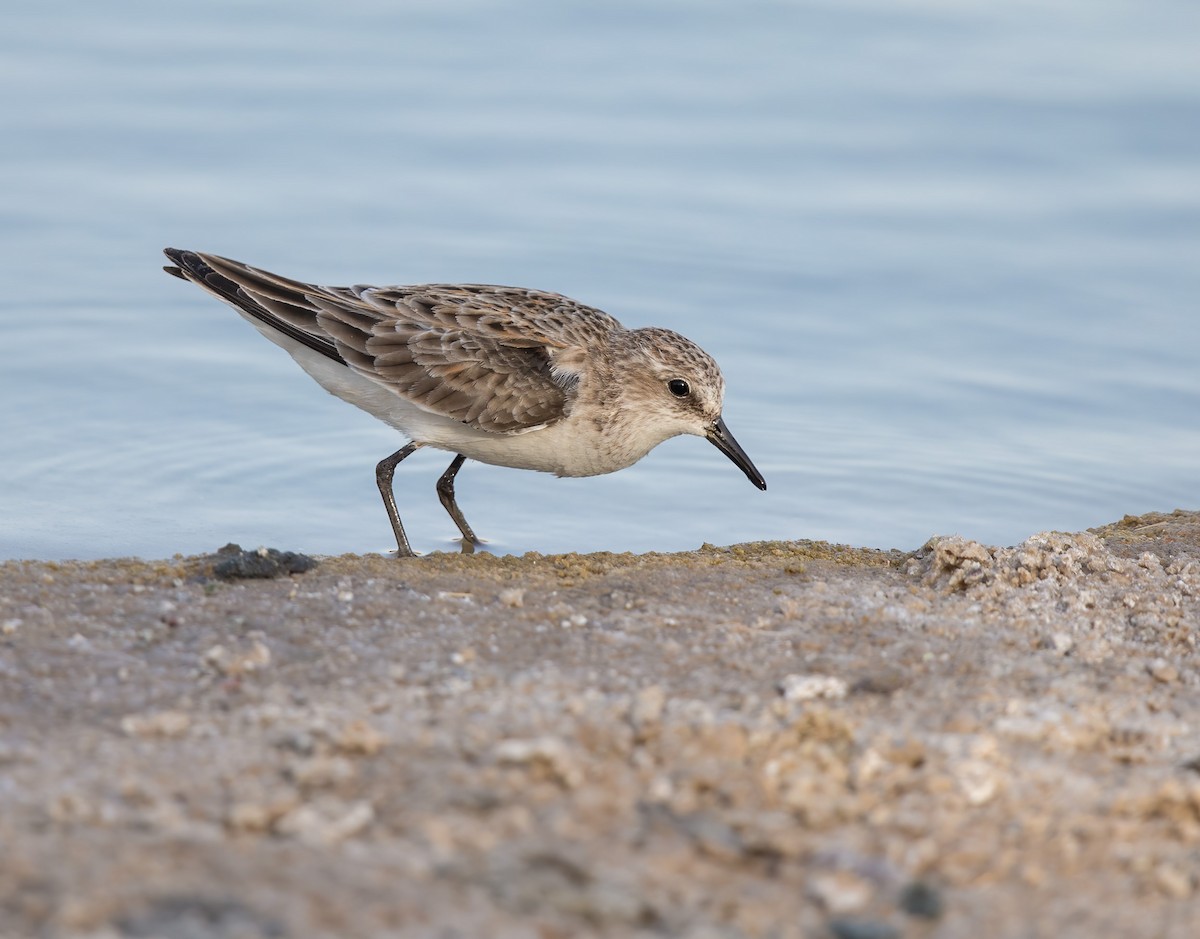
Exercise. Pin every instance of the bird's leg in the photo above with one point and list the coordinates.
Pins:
(384, 472)
(445, 490)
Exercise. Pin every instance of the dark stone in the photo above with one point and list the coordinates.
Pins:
(845, 928)
(232, 562)
(922, 899)
(191, 917)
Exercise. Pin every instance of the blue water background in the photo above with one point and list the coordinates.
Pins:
(947, 254)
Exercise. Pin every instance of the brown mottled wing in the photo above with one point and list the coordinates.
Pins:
(502, 359)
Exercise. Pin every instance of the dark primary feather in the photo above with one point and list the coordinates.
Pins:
(195, 268)
(480, 354)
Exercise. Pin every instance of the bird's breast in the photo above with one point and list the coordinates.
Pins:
(565, 448)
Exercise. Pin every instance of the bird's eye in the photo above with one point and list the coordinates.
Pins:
(678, 387)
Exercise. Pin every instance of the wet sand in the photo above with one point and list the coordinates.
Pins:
(786, 739)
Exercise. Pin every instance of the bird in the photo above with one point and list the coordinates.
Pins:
(502, 375)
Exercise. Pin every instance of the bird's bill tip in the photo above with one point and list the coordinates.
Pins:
(720, 437)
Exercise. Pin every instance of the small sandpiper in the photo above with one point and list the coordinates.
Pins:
(502, 375)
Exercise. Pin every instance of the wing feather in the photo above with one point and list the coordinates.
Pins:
(502, 359)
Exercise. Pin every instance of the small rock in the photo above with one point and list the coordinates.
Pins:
(646, 711)
(810, 687)
(297, 740)
(882, 681)
(184, 915)
(259, 812)
(322, 771)
(326, 822)
(711, 835)
(72, 807)
(840, 892)
(976, 779)
(232, 562)
(360, 738)
(249, 816)
(235, 664)
(1163, 671)
(549, 753)
(959, 562)
(921, 899)
(862, 929)
(156, 724)
(512, 596)
(1175, 883)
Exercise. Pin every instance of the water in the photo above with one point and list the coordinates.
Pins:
(945, 252)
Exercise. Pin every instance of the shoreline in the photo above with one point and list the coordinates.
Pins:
(780, 738)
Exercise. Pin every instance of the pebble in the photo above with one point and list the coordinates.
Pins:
(843, 928)
(327, 821)
(921, 899)
(233, 663)
(549, 752)
(647, 709)
(840, 892)
(512, 596)
(156, 724)
(359, 738)
(811, 687)
(1172, 881)
(232, 562)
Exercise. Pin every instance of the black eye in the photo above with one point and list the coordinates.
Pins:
(678, 387)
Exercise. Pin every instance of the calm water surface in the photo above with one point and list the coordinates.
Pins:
(947, 254)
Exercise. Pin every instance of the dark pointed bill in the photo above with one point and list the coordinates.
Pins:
(720, 437)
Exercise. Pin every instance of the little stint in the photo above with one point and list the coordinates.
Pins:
(502, 375)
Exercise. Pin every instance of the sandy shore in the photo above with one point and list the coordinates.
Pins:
(785, 739)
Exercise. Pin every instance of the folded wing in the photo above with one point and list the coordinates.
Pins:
(476, 353)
